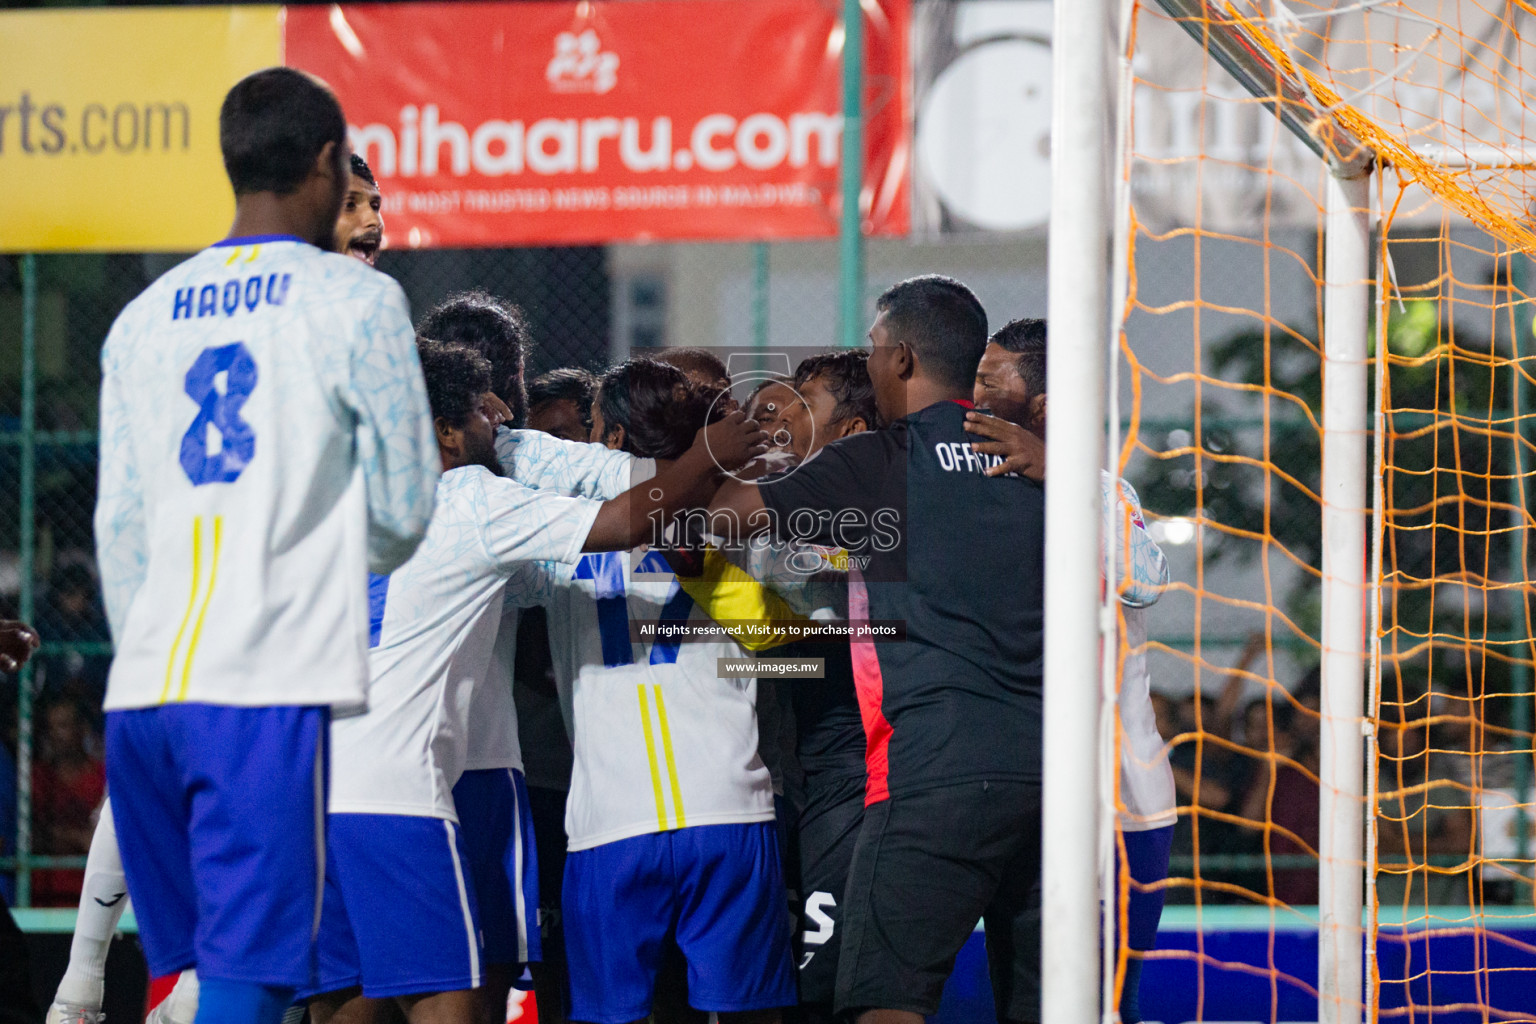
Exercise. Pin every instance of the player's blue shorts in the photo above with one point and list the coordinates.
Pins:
(718, 889)
(400, 916)
(498, 833)
(220, 815)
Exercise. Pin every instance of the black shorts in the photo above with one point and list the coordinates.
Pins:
(928, 865)
(548, 808)
(828, 830)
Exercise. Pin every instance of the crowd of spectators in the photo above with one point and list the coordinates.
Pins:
(1251, 769)
(68, 776)
(68, 783)
(1247, 780)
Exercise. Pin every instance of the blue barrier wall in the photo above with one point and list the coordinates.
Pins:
(1230, 967)
(1229, 964)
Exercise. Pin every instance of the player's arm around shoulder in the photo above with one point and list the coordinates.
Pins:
(641, 514)
(580, 468)
(849, 473)
(520, 524)
(531, 582)
(395, 442)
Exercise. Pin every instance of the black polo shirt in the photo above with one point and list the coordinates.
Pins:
(829, 735)
(958, 558)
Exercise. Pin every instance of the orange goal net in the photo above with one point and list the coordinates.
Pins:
(1240, 116)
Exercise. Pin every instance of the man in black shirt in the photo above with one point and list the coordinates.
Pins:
(831, 396)
(951, 712)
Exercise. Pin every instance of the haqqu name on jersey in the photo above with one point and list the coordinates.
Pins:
(957, 457)
(230, 297)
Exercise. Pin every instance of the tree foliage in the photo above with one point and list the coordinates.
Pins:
(1455, 462)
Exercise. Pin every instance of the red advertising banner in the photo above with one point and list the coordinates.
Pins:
(497, 124)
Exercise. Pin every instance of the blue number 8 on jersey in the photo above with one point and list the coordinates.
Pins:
(222, 412)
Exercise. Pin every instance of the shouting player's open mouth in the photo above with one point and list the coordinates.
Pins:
(365, 245)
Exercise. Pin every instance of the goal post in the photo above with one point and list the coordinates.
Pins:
(1341, 843)
(1079, 343)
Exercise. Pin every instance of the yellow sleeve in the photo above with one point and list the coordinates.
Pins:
(727, 594)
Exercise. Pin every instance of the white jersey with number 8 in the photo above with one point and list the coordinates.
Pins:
(265, 442)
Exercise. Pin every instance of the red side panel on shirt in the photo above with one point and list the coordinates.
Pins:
(870, 686)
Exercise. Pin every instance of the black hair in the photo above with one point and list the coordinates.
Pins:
(456, 377)
(362, 170)
(846, 376)
(659, 408)
(272, 127)
(1025, 338)
(567, 384)
(943, 323)
(699, 362)
(767, 382)
(497, 330)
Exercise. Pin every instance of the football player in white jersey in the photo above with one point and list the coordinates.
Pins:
(495, 809)
(78, 1000)
(1010, 382)
(670, 815)
(401, 918)
(265, 442)
(499, 734)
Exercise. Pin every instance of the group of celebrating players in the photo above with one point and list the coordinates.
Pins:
(318, 527)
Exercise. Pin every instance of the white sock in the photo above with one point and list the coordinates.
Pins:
(180, 1007)
(103, 899)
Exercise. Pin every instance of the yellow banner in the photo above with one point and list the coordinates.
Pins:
(109, 124)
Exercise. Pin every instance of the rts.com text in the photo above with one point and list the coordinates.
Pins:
(29, 127)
